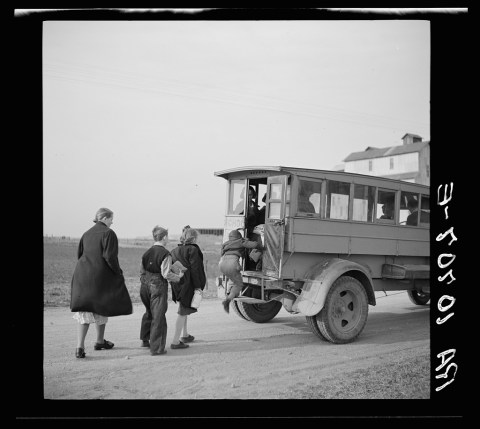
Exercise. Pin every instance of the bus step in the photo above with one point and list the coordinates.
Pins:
(249, 300)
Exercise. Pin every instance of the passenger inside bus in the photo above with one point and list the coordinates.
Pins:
(251, 222)
(304, 193)
(304, 205)
(388, 210)
(252, 207)
(386, 205)
(412, 218)
(261, 212)
(252, 212)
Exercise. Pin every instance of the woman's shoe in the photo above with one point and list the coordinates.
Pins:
(180, 345)
(105, 345)
(146, 343)
(188, 339)
(79, 353)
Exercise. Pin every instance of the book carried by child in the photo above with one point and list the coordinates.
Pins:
(178, 268)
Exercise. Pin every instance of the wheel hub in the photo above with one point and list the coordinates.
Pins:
(339, 308)
(344, 311)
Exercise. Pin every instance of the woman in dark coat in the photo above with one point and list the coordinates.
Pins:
(98, 287)
(191, 257)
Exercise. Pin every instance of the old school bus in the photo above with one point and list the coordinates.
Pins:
(331, 239)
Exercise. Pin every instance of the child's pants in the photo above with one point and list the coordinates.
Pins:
(230, 266)
(154, 295)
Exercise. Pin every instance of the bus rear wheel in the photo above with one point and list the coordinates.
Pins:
(234, 305)
(418, 298)
(344, 313)
(258, 313)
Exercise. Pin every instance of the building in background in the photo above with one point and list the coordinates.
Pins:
(210, 231)
(409, 161)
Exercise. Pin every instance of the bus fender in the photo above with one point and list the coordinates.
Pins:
(322, 275)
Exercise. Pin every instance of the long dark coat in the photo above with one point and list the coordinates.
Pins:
(98, 284)
(191, 257)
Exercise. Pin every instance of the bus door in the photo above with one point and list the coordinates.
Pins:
(274, 230)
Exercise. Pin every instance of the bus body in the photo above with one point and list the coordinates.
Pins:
(329, 243)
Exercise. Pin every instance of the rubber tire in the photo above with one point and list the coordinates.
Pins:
(258, 313)
(312, 323)
(326, 326)
(234, 305)
(418, 298)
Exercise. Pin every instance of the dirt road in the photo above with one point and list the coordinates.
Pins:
(230, 357)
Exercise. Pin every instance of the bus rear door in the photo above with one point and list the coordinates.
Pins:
(274, 231)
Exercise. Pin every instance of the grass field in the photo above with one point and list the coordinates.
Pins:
(60, 257)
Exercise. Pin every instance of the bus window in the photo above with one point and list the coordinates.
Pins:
(425, 209)
(409, 208)
(338, 196)
(274, 209)
(275, 191)
(275, 200)
(236, 197)
(386, 205)
(309, 196)
(363, 203)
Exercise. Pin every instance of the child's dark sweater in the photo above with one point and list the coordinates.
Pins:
(237, 246)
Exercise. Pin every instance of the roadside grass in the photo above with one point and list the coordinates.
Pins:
(402, 378)
(60, 258)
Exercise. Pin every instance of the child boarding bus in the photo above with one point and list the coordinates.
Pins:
(331, 239)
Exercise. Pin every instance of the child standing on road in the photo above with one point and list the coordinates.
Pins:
(232, 250)
(156, 273)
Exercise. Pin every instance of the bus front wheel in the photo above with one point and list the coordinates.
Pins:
(344, 313)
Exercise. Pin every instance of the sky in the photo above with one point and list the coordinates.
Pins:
(138, 115)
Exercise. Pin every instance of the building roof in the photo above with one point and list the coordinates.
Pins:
(410, 134)
(402, 176)
(370, 152)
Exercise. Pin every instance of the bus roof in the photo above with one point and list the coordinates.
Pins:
(226, 173)
(295, 170)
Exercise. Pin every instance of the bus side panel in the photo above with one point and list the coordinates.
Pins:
(298, 264)
(320, 236)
